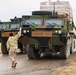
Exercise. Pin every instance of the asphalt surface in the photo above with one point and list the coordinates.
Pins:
(46, 65)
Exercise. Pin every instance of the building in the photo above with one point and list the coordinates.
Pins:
(61, 7)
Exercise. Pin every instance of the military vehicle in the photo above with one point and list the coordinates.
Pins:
(47, 32)
(5, 29)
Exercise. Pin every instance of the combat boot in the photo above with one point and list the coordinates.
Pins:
(14, 65)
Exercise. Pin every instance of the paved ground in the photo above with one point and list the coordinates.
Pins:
(43, 66)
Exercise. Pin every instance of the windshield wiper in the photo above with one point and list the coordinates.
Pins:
(34, 24)
(55, 24)
(50, 24)
(27, 23)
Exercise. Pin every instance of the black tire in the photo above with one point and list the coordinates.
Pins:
(41, 13)
(36, 53)
(32, 53)
(4, 48)
(65, 51)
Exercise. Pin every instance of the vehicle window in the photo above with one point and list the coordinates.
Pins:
(4, 26)
(33, 21)
(53, 22)
(14, 26)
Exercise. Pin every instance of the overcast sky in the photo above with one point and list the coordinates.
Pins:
(11, 8)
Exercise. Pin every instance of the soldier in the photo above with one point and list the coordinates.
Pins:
(73, 31)
(12, 47)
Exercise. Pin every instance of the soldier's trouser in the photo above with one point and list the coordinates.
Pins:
(12, 55)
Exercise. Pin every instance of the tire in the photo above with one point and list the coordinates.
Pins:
(65, 51)
(36, 53)
(4, 48)
(31, 52)
(41, 13)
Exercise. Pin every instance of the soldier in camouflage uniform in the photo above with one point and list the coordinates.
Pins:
(12, 47)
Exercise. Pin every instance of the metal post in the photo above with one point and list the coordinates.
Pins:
(54, 8)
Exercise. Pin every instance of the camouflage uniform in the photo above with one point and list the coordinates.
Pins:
(12, 47)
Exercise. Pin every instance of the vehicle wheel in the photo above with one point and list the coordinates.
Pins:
(30, 52)
(36, 53)
(4, 48)
(41, 13)
(65, 51)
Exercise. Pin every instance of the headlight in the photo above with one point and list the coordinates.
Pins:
(24, 31)
(56, 31)
(28, 31)
(59, 31)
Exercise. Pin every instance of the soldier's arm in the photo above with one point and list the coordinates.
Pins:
(18, 34)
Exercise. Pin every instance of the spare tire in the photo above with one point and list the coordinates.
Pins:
(41, 13)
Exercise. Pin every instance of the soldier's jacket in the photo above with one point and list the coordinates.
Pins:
(12, 41)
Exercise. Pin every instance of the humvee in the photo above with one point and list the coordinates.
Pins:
(5, 29)
(46, 31)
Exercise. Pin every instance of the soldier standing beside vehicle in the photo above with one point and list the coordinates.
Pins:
(73, 31)
(12, 47)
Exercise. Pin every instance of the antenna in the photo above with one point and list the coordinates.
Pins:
(54, 8)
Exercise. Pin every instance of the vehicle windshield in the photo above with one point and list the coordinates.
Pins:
(4, 26)
(53, 22)
(33, 21)
(14, 26)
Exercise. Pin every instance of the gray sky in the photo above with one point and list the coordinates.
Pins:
(11, 8)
